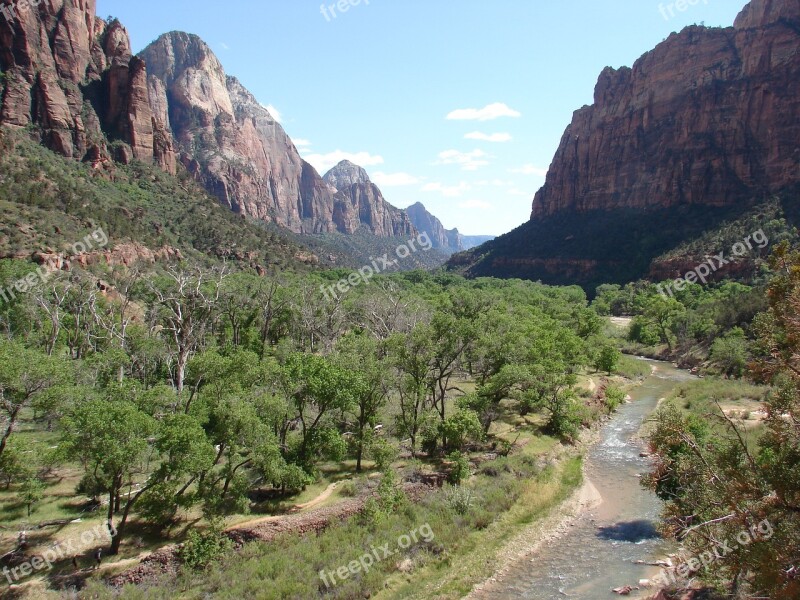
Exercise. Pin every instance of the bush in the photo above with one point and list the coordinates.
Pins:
(157, 506)
(607, 359)
(729, 353)
(203, 548)
(460, 471)
(459, 499)
(460, 427)
(614, 397)
(383, 452)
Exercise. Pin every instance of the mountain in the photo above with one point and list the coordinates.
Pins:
(147, 215)
(699, 131)
(71, 78)
(364, 204)
(446, 240)
(473, 241)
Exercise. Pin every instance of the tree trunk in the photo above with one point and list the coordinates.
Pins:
(12, 419)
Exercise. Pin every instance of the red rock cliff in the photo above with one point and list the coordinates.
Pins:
(709, 117)
(72, 76)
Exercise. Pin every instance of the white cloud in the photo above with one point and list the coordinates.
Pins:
(519, 192)
(487, 113)
(324, 162)
(224, 46)
(302, 143)
(448, 191)
(530, 170)
(476, 205)
(393, 179)
(489, 137)
(469, 161)
(276, 114)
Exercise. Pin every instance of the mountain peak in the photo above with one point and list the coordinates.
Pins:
(346, 174)
(760, 13)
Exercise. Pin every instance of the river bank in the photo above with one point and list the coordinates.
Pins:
(597, 539)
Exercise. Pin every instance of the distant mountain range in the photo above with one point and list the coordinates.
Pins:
(447, 240)
(173, 104)
(700, 132)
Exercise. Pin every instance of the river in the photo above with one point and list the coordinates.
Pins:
(599, 552)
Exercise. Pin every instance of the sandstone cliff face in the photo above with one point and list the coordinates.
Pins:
(698, 133)
(229, 141)
(710, 117)
(73, 77)
(360, 203)
(242, 155)
(442, 239)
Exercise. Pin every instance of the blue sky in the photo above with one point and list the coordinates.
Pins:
(458, 104)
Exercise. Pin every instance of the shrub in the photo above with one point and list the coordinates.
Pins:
(383, 452)
(203, 548)
(460, 471)
(607, 359)
(614, 397)
(459, 499)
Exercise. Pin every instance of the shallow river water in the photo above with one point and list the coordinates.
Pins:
(599, 551)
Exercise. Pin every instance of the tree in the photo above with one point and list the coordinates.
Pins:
(318, 389)
(109, 437)
(717, 483)
(411, 355)
(459, 427)
(662, 313)
(31, 491)
(116, 444)
(185, 307)
(730, 353)
(607, 359)
(25, 375)
(365, 358)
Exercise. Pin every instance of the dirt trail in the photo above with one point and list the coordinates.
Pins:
(327, 493)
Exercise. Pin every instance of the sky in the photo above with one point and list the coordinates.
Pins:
(458, 104)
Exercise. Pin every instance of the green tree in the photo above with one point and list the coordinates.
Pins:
(25, 376)
(662, 313)
(607, 359)
(319, 390)
(730, 353)
(365, 358)
(31, 492)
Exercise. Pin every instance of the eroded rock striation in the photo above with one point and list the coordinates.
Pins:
(364, 204)
(709, 117)
(72, 77)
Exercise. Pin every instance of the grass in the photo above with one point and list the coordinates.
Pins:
(476, 557)
(514, 492)
(741, 402)
(633, 368)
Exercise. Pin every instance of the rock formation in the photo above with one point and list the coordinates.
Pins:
(365, 205)
(71, 76)
(710, 117)
(701, 128)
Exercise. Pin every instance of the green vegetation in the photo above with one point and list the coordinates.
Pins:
(193, 394)
(51, 202)
(727, 455)
(701, 326)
